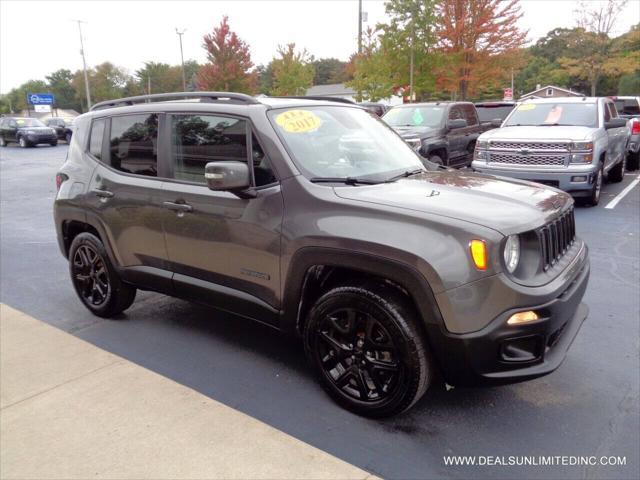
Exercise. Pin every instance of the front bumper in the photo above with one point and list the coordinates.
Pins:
(575, 178)
(500, 353)
(36, 139)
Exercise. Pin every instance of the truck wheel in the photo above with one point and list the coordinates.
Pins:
(95, 279)
(436, 159)
(616, 174)
(3, 143)
(23, 142)
(366, 348)
(633, 161)
(54, 144)
(594, 197)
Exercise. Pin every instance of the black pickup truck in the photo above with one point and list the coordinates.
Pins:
(443, 132)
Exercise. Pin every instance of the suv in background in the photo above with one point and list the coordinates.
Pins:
(315, 218)
(629, 107)
(492, 114)
(443, 132)
(26, 132)
(568, 143)
(64, 130)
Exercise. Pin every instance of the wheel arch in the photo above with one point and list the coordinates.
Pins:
(314, 270)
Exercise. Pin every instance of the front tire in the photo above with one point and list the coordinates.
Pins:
(436, 159)
(23, 142)
(366, 348)
(54, 144)
(95, 280)
(3, 142)
(594, 196)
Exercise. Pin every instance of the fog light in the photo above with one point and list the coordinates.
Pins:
(523, 317)
(581, 178)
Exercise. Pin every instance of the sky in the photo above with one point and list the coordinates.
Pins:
(39, 37)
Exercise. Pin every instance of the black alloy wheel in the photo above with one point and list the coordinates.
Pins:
(90, 276)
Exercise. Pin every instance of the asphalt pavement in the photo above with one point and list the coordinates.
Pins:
(589, 406)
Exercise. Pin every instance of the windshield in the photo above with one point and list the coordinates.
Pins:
(549, 114)
(29, 122)
(486, 113)
(425, 116)
(341, 142)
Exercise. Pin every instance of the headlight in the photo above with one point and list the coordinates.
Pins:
(582, 146)
(512, 253)
(484, 144)
(581, 157)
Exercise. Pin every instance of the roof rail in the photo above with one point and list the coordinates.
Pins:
(228, 97)
(319, 97)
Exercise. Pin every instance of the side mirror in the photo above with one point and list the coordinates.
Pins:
(496, 123)
(615, 123)
(457, 123)
(228, 177)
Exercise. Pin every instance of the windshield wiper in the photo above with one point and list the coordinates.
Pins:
(345, 180)
(405, 174)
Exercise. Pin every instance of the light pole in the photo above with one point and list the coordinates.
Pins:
(84, 65)
(184, 80)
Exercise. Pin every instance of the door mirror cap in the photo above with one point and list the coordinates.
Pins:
(615, 123)
(227, 177)
(496, 123)
(457, 123)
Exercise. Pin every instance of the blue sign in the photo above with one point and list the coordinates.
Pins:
(40, 98)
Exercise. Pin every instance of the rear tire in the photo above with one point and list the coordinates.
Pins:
(54, 144)
(367, 350)
(633, 161)
(616, 174)
(95, 280)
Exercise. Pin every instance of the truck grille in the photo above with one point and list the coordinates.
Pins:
(519, 159)
(529, 145)
(556, 237)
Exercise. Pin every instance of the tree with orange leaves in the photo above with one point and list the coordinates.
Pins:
(478, 41)
(230, 66)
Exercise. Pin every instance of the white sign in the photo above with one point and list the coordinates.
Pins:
(42, 108)
(508, 94)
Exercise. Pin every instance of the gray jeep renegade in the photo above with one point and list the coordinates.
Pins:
(317, 219)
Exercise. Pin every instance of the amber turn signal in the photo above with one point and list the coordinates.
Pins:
(479, 254)
(523, 317)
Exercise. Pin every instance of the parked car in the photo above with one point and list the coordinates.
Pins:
(378, 108)
(568, 143)
(64, 129)
(492, 114)
(629, 107)
(443, 132)
(316, 219)
(27, 132)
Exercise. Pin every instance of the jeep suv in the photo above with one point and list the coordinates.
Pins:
(443, 132)
(317, 219)
(568, 143)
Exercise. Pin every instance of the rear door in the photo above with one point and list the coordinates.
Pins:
(125, 191)
(617, 137)
(218, 241)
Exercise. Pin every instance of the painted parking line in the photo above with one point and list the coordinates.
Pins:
(621, 195)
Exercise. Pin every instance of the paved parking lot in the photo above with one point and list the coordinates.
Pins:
(590, 406)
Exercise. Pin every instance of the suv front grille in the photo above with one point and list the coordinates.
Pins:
(501, 145)
(520, 159)
(556, 237)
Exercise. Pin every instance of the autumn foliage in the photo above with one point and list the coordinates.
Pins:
(230, 67)
(478, 41)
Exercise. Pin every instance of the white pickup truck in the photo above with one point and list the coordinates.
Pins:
(567, 143)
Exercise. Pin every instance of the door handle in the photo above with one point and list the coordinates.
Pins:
(102, 193)
(178, 207)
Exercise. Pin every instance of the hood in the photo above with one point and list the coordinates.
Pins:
(539, 133)
(413, 132)
(502, 204)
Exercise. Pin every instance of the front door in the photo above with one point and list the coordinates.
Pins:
(456, 137)
(125, 195)
(220, 245)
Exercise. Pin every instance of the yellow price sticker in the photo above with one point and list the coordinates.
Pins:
(298, 121)
(526, 106)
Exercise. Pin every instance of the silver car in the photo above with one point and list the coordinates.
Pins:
(567, 143)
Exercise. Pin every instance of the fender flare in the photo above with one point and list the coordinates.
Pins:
(403, 275)
(437, 145)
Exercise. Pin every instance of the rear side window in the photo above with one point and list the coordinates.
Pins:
(455, 113)
(133, 144)
(95, 140)
(469, 112)
(607, 112)
(199, 139)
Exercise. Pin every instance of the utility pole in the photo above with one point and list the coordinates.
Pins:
(411, 61)
(512, 92)
(84, 65)
(359, 26)
(149, 85)
(184, 80)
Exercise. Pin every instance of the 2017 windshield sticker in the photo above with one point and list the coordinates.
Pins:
(298, 121)
(526, 107)
(417, 117)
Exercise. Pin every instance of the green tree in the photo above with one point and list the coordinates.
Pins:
(629, 84)
(265, 78)
(161, 77)
(106, 82)
(60, 85)
(17, 97)
(329, 71)
(372, 75)
(230, 66)
(292, 72)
